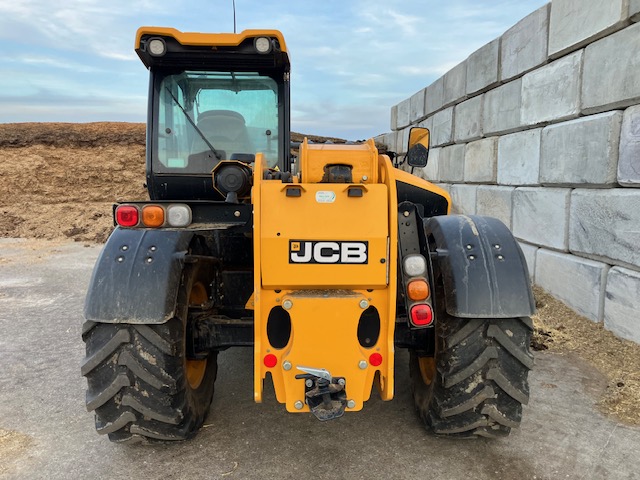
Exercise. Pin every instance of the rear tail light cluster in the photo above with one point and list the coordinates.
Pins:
(153, 216)
(418, 292)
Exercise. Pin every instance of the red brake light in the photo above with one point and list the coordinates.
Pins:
(375, 359)
(421, 315)
(270, 360)
(127, 216)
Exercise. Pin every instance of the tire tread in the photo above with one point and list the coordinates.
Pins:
(136, 383)
(481, 381)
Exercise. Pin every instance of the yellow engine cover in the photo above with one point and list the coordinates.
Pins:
(362, 158)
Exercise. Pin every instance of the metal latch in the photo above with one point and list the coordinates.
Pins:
(325, 394)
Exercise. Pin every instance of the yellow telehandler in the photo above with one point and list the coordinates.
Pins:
(324, 272)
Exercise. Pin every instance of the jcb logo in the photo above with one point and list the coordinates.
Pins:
(310, 251)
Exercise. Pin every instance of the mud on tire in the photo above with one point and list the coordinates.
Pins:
(478, 382)
(137, 380)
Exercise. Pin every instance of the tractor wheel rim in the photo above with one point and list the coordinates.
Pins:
(427, 369)
(195, 372)
(195, 369)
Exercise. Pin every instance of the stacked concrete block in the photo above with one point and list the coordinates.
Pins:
(430, 172)
(621, 307)
(552, 93)
(502, 107)
(403, 140)
(519, 158)
(629, 160)
(634, 10)
(480, 160)
(451, 163)
(541, 129)
(426, 123)
(530, 252)
(582, 151)
(403, 114)
(393, 123)
(483, 68)
(445, 186)
(391, 141)
(524, 46)
(574, 280)
(541, 216)
(416, 106)
(463, 199)
(576, 23)
(612, 71)
(434, 99)
(497, 202)
(468, 120)
(455, 84)
(388, 140)
(605, 223)
(442, 127)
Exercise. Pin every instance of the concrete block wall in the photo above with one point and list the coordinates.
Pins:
(541, 129)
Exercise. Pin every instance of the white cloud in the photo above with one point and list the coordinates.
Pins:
(95, 26)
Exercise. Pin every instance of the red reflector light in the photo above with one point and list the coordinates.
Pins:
(375, 359)
(421, 315)
(270, 360)
(127, 216)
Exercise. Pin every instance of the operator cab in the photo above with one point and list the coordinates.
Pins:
(213, 97)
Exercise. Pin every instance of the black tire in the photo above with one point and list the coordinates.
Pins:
(478, 381)
(137, 378)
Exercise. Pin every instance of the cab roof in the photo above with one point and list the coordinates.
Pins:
(191, 49)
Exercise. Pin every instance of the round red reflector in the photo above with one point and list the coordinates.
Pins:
(375, 359)
(421, 315)
(270, 360)
(127, 216)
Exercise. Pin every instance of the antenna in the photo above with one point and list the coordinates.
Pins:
(234, 16)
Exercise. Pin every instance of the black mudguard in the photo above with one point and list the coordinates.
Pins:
(483, 269)
(136, 277)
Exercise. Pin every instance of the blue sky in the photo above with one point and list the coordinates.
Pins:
(73, 60)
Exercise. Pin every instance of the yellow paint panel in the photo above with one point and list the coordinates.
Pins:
(362, 158)
(209, 39)
(323, 212)
(259, 325)
(324, 335)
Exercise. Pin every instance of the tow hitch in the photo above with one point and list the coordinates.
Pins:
(325, 395)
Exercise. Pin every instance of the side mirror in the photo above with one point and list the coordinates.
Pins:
(418, 148)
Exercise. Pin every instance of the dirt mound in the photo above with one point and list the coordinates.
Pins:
(60, 180)
(103, 134)
(299, 137)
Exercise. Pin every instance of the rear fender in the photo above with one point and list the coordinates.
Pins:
(136, 277)
(483, 269)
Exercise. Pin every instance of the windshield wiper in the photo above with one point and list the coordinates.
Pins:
(213, 150)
